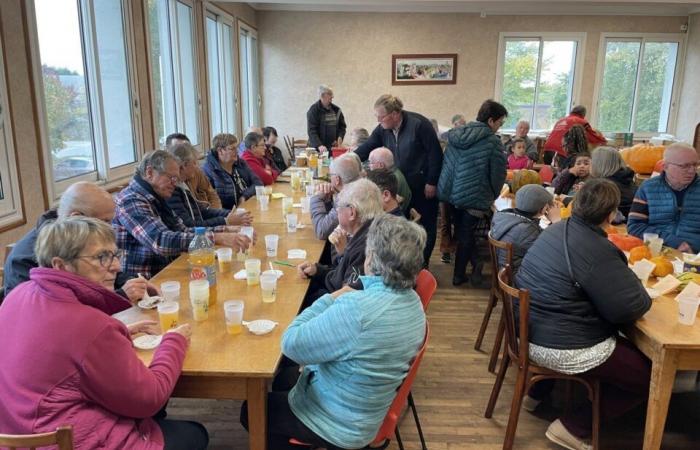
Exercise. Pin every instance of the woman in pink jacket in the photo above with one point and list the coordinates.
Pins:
(258, 162)
(66, 361)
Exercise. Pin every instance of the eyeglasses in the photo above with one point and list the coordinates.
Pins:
(174, 179)
(260, 145)
(105, 258)
(688, 166)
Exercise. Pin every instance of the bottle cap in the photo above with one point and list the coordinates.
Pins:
(199, 230)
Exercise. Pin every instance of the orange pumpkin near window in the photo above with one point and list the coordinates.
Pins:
(625, 242)
(642, 157)
(639, 253)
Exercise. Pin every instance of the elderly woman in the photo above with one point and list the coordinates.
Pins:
(355, 346)
(581, 294)
(71, 363)
(231, 177)
(606, 162)
(357, 204)
(183, 202)
(255, 155)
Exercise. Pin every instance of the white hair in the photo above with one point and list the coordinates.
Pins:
(384, 156)
(346, 168)
(324, 89)
(364, 196)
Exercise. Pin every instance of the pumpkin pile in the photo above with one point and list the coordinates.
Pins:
(639, 253)
(663, 266)
(642, 157)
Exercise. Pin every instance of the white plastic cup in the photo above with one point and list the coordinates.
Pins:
(264, 202)
(305, 205)
(287, 205)
(246, 231)
(233, 314)
(292, 223)
(268, 285)
(171, 291)
(687, 310)
(655, 245)
(168, 315)
(199, 299)
(225, 257)
(271, 242)
(259, 191)
(252, 271)
(649, 236)
(310, 189)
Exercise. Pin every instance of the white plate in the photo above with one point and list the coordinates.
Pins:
(653, 293)
(150, 302)
(260, 327)
(147, 341)
(296, 253)
(240, 275)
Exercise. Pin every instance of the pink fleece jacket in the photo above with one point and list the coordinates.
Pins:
(66, 361)
(261, 166)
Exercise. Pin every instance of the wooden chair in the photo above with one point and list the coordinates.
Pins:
(62, 437)
(517, 351)
(494, 247)
(696, 139)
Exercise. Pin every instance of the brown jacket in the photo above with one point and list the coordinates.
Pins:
(202, 190)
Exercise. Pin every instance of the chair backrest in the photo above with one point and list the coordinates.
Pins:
(8, 250)
(425, 287)
(63, 437)
(494, 247)
(696, 139)
(386, 431)
(516, 337)
(546, 174)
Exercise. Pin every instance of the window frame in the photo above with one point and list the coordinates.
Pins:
(103, 174)
(643, 38)
(243, 64)
(579, 57)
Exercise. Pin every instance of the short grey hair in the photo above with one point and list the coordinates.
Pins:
(364, 196)
(81, 197)
(324, 89)
(184, 152)
(157, 160)
(605, 162)
(66, 238)
(346, 168)
(251, 139)
(384, 156)
(523, 122)
(389, 103)
(395, 250)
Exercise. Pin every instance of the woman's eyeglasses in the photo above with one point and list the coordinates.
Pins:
(105, 258)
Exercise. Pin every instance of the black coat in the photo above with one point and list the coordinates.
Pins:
(322, 132)
(347, 268)
(624, 180)
(512, 226)
(564, 317)
(194, 213)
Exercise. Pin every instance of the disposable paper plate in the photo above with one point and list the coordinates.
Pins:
(653, 293)
(150, 302)
(296, 205)
(240, 275)
(259, 327)
(278, 195)
(147, 341)
(296, 253)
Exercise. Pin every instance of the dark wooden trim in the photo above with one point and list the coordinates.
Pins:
(394, 58)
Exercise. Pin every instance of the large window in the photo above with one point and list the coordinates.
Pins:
(538, 77)
(10, 203)
(250, 93)
(222, 94)
(87, 90)
(636, 83)
(174, 69)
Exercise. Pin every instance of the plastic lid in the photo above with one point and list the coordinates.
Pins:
(199, 230)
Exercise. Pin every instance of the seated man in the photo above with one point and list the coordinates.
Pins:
(521, 131)
(358, 204)
(669, 204)
(80, 199)
(273, 152)
(388, 186)
(324, 216)
(198, 183)
(150, 233)
(258, 161)
(192, 212)
(383, 158)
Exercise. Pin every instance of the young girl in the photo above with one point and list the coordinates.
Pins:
(518, 159)
(570, 180)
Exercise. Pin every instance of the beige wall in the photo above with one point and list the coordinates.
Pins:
(689, 110)
(352, 52)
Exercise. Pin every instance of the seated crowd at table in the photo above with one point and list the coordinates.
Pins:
(361, 322)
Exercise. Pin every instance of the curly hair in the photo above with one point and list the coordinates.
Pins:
(575, 141)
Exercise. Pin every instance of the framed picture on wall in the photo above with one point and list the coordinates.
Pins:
(424, 69)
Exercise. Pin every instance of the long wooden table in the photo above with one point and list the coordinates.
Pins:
(239, 367)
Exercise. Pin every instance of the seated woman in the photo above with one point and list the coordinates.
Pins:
(256, 158)
(230, 176)
(356, 348)
(521, 225)
(607, 163)
(273, 152)
(71, 363)
(570, 180)
(577, 305)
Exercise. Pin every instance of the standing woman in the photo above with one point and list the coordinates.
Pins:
(325, 122)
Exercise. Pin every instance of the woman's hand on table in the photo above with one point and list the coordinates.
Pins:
(343, 290)
(307, 269)
(144, 326)
(239, 218)
(135, 289)
(184, 330)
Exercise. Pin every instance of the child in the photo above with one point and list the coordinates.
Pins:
(518, 159)
(570, 180)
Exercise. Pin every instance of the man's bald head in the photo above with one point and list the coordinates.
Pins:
(680, 165)
(86, 199)
(381, 158)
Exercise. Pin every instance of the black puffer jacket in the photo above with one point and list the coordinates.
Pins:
(624, 180)
(511, 225)
(564, 317)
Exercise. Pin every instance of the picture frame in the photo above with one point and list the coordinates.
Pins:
(421, 69)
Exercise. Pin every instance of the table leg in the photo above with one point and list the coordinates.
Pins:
(257, 413)
(663, 374)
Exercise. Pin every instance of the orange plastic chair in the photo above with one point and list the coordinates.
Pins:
(62, 437)
(546, 174)
(426, 284)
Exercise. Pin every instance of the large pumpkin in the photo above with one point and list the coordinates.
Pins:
(639, 253)
(625, 242)
(642, 157)
(523, 177)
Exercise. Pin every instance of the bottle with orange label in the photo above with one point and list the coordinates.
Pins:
(202, 261)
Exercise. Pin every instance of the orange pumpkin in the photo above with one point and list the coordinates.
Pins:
(639, 253)
(642, 157)
(509, 175)
(663, 266)
(523, 177)
(659, 166)
(565, 211)
(625, 242)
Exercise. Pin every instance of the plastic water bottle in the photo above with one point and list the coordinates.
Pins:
(202, 261)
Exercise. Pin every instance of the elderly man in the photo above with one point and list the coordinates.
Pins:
(669, 204)
(325, 122)
(412, 139)
(387, 184)
(521, 131)
(577, 116)
(358, 203)
(150, 233)
(198, 183)
(324, 214)
(382, 158)
(458, 120)
(80, 199)
(241, 145)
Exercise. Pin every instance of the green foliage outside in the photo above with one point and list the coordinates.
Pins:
(66, 109)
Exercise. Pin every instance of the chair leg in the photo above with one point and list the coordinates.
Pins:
(485, 321)
(496, 390)
(595, 432)
(518, 395)
(412, 404)
(497, 345)
(398, 437)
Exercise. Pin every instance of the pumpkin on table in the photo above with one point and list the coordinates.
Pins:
(642, 157)
(663, 266)
(639, 253)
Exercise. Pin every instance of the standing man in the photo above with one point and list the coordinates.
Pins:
(325, 122)
(417, 153)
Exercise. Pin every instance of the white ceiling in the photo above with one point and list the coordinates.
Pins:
(491, 7)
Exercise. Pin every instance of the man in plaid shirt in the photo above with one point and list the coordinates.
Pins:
(148, 231)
